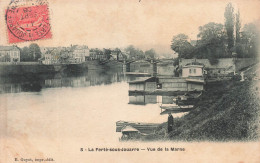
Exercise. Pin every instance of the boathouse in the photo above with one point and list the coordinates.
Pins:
(181, 83)
(144, 84)
(166, 84)
(193, 69)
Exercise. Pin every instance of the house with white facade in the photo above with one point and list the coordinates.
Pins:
(51, 57)
(9, 54)
(193, 70)
(80, 53)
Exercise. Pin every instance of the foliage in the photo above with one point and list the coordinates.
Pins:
(238, 27)
(181, 46)
(240, 50)
(150, 54)
(34, 52)
(229, 25)
(250, 40)
(107, 53)
(26, 55)
(135, 53)
(175, 61)
(216, 40)
(210, 42)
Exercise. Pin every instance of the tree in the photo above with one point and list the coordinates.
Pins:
(139, 54)
(107, 53)
(250, 40)
(135, 53)
(35, 51)
(25, 54)
(210, 42)
(238, 26)
(150, 54)
(211, 33)
(131, 50)
(229, 25)
(181, 46)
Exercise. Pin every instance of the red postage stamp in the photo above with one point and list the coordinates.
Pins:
(28, 22)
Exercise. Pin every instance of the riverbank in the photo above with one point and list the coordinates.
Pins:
(24, 68)
(227, 111)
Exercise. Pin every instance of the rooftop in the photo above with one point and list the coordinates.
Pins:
(8, 48)
(144, 79)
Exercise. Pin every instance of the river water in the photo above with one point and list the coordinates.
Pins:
(54, 112)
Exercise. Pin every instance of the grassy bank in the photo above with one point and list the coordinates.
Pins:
(227, 111)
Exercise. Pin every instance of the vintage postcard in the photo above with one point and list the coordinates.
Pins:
(129, 81)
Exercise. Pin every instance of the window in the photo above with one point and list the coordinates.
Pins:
(194, 70)
(190, 71)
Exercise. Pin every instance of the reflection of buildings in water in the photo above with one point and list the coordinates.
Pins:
(139, 100)
(67, 82)
(150, 99)
(167, 99)
(52, 83)
(91, 79)
(10, 88)
(36, 83)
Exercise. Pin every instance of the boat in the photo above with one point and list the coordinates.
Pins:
(175, 107)
(144, 128)
(174, 111)
(187, 98)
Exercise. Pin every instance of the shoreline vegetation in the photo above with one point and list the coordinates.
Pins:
(227, 111)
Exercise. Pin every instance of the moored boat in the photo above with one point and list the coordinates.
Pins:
(145, 128)
(176, 107)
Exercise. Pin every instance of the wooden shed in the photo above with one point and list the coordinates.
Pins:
(144, 84)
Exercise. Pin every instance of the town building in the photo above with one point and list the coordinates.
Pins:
(66, 56)
(81, 53)
(114, 55)
(97, 55)
(118, 55)
(45, 49)
(9, 54)
(51, 57)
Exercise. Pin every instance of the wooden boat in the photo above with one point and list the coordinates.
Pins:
(175, 111)
(145, 128)
(186, 99)
(176, 107)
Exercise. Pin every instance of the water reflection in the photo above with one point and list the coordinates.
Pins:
(156, 99)
(150, 99)
(35, 83)
(81, 101)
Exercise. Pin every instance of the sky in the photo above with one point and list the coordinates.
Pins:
(118, 23)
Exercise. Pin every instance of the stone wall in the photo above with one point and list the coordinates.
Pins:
(224, 65)
(242, 63)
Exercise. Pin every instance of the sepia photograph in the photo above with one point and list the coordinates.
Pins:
(129, 81)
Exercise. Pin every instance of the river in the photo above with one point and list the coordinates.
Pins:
(50, 113)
